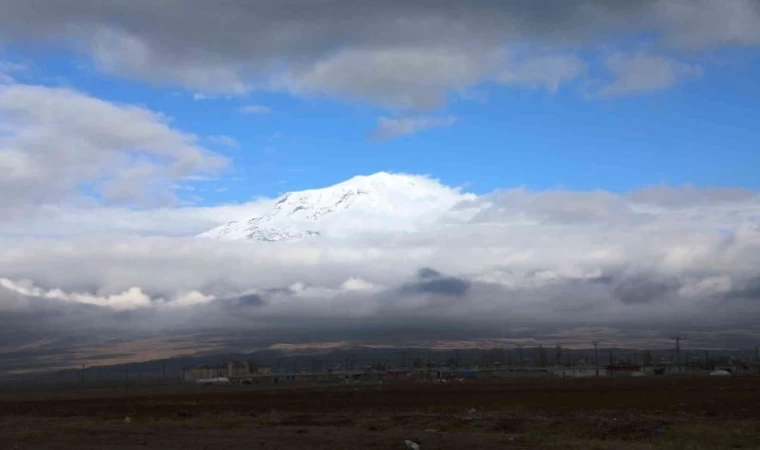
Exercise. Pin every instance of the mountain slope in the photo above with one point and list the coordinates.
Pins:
(381, 202)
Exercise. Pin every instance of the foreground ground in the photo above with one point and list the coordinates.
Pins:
(654, 413)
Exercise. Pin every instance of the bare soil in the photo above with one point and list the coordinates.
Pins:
(639, 413)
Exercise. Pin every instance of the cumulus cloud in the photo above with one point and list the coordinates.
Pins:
(389, 128)
(394, 53)
(59, 144)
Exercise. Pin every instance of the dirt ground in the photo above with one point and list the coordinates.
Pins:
(641, 413)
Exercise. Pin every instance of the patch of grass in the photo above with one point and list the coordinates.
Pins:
(695, 436)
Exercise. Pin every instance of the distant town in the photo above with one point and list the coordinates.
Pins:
(493, 365)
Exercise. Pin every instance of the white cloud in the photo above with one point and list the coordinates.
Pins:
(255, 109)
(641, 73)
(200, 96)
(357, 284)
(7, 69)
(389, 128)
(60, 145)
(692, 196)
(101, 221)
(132, 298)
(227, 141)
(546, 71)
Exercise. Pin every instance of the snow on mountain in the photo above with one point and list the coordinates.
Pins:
(382, 202)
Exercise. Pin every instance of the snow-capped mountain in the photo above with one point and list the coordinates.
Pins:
(382, 202)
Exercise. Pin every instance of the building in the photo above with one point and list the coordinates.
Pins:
(236, 371)
(205, 372)
(624, 369)
(581, 372)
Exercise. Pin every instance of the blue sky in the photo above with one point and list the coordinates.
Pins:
(701, 131)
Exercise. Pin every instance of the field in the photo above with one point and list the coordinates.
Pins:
(651, 413)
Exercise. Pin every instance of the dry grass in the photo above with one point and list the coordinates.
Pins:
(590, 414)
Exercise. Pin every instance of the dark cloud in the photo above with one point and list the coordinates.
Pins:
(400, 53)
(643, 289)
(248, 300)
(749, 290)
(433, 282)
(441, 286)
(427, 273)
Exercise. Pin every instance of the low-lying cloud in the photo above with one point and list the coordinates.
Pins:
(515, 263)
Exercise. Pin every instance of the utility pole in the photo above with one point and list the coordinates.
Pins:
(596, 356)
(81, 377)
(757, 354)
(707, 360)
(520, 355)
(678, 340)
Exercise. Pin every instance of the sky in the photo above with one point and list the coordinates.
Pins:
(608, 148)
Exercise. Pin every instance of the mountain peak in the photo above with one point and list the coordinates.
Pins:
(378, 202)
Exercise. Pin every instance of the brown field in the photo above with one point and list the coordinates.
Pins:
(650, 413)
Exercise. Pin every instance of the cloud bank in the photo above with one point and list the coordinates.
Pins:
(632, 267)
